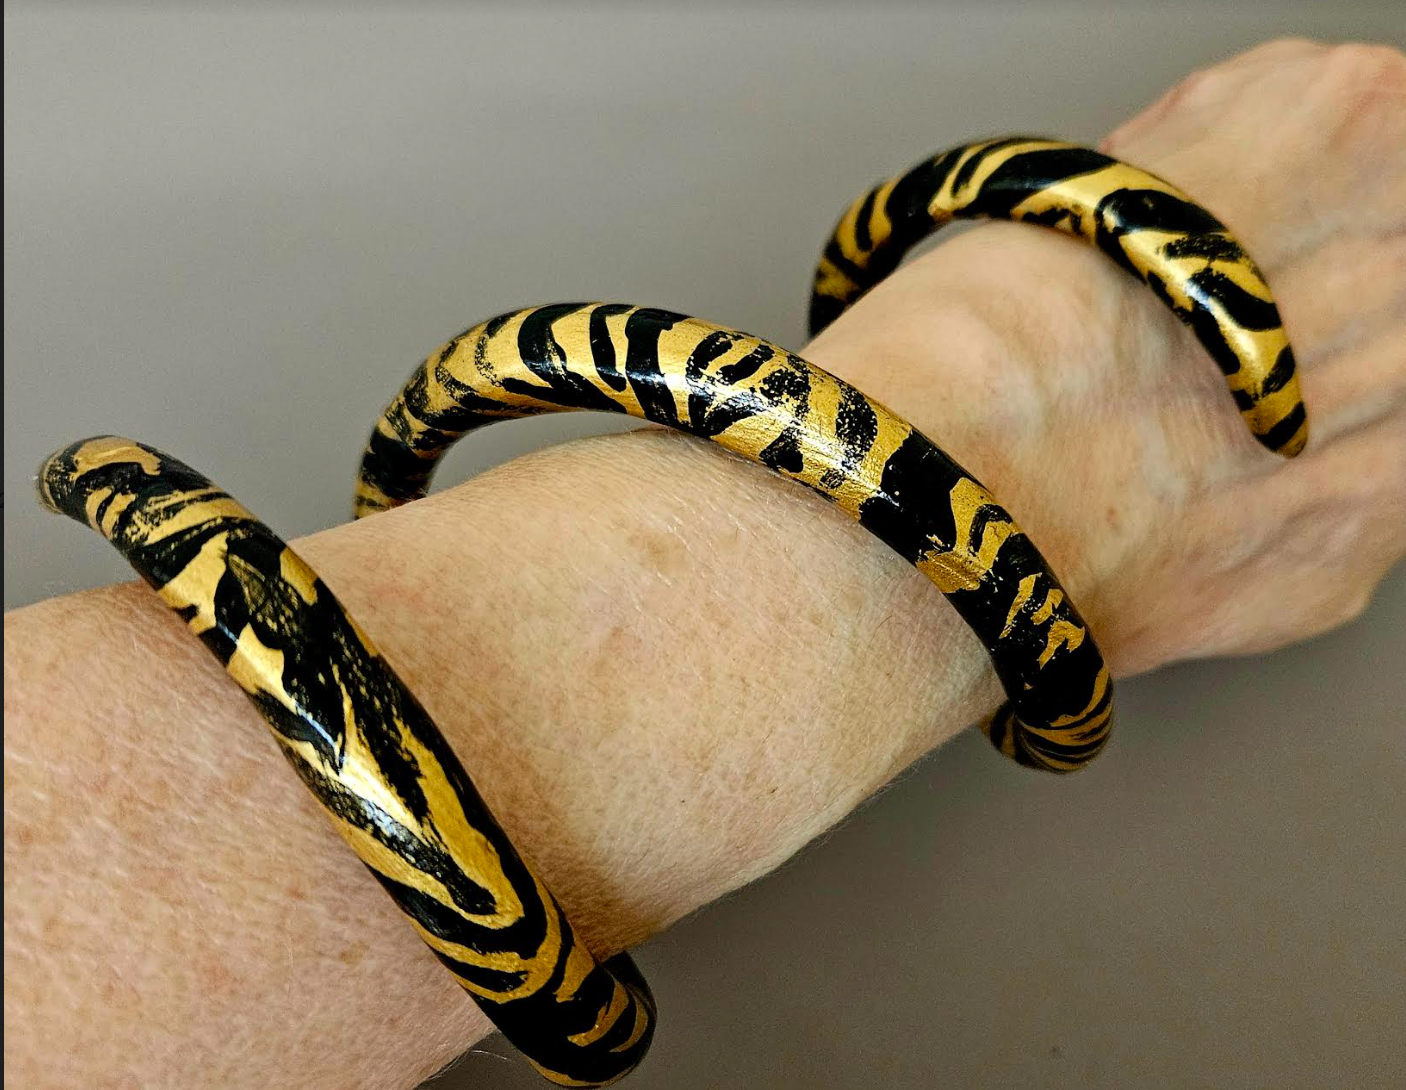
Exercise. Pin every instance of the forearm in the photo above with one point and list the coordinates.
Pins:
(665, 669)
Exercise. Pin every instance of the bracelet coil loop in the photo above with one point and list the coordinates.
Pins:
(1147, 226)
(367, 750)
(772, 407)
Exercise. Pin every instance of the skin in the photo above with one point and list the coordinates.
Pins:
(178, 913)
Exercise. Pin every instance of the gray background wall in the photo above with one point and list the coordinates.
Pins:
(231, 232)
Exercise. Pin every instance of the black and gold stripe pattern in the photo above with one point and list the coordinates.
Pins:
(366, 749)
(770, 406)
(1149, 227)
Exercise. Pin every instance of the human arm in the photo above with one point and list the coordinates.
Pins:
(666, 669)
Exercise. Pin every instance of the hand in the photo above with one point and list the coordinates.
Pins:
(1101, 423)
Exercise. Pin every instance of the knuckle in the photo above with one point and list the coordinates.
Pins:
(1171, 99)
(1286, 45)
(1378, 491)
(1354, 603)
(1365, 70)
(1193, 91)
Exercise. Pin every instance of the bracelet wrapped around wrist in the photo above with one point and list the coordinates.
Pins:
(366, 748)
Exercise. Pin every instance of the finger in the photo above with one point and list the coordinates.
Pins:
(1347, 504)
(1353, 284)
(1360, 384)
(1345, 309)
(1311, 541)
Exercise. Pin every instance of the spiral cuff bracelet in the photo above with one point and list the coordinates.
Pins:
(366, 748)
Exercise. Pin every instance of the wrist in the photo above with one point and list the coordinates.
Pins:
(643, 625)
(995, 344)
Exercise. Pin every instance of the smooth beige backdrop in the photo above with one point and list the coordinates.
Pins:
(232, 231)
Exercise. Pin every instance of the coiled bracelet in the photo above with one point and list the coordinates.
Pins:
(365, 747)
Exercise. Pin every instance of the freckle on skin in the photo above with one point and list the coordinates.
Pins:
(662, 553)
(217, 975)
(53, 929)
(353, 954)
(116, 990)
(243, 778)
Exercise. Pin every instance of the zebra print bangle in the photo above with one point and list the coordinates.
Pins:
(1147, 226)
(769, 405)
(366, 749)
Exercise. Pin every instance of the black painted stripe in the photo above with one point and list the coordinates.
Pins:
(1022, 176)
(862, 238)
(1286, 429)
(1280, 374)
